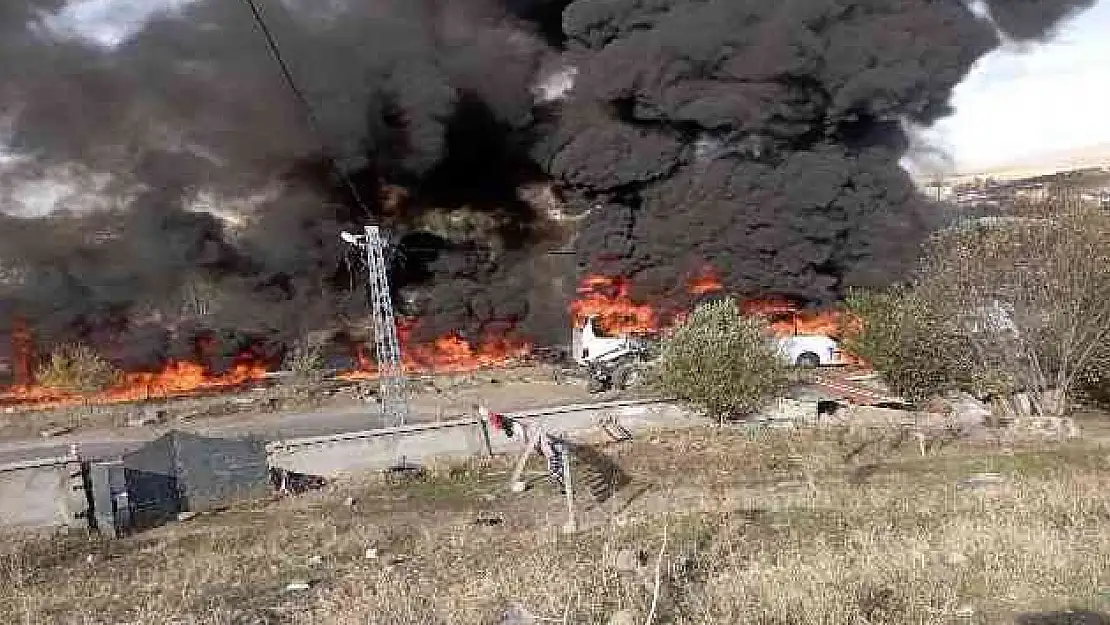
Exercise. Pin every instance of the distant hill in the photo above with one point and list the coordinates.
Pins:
(1095, 156)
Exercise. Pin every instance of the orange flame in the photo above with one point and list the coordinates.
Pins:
(704, 282)
(177, 378)
(23, 352)
(449, 353)
(607, 299)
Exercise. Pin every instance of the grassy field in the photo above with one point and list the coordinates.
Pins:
(771, 528)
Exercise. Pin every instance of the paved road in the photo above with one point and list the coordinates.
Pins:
(112, 443)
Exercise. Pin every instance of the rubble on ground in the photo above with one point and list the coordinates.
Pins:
(956, 413)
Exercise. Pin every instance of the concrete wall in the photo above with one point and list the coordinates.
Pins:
(331, 456)
(51, 492)
(43, 493)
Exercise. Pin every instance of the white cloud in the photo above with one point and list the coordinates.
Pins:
(1022, 102)
(109, 22)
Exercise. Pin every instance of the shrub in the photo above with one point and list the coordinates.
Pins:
(1033, 290)
(306, 357)
(76, 368)
(1019, 303)
(721, 361)
(911, 342)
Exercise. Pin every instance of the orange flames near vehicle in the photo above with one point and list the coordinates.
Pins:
(446, 354)
(607, 299)
(787, 318)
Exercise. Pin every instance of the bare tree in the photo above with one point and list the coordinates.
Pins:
(1033, 293)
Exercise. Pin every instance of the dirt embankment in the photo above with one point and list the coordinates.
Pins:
(806, 526)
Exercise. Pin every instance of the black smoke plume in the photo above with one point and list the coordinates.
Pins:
(762, 138)
(759, 137)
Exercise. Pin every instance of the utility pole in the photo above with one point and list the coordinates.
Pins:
(391, 373)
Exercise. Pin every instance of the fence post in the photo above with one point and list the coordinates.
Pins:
(571, 524)
(483, 427)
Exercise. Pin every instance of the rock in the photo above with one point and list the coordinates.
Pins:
(349, 502)
(371, 553)
(298, 586)
(147, 418)
(965, 612)
(790, 411)
(316, 560)
(489, 519)
(622, 617)
(1069, 428)
(981, 480)
(629, 560)
(58, 431)
(967, 410)
(185, 516)
(518, 615)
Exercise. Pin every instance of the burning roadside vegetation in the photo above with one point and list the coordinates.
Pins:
(196, 232)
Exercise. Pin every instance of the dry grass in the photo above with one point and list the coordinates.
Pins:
(76, 368)
(763, 528)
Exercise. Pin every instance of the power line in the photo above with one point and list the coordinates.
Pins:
(313, 122)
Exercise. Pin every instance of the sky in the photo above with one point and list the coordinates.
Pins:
(1018, 103)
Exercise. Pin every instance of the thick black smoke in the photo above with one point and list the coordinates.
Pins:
(760, 137)
(430, 95)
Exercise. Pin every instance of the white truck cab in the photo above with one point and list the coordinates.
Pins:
(810, 350)
(590, 345)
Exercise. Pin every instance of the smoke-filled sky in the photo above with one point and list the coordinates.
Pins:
(1019, 102)
(762, 139)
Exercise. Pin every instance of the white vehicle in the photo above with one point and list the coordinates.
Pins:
(590, 346)
(809, 351)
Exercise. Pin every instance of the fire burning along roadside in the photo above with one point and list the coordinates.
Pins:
(189, 201)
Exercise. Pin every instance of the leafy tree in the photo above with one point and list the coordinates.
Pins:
(721, 361)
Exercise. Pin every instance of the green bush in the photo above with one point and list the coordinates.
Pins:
(76, 368)
(913, 343)
(721, 361)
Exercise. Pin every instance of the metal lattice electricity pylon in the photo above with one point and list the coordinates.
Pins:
(391, 372)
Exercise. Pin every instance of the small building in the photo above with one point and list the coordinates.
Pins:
(183, 472)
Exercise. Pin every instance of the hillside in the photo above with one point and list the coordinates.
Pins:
(1096, 156)
(717, 526)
